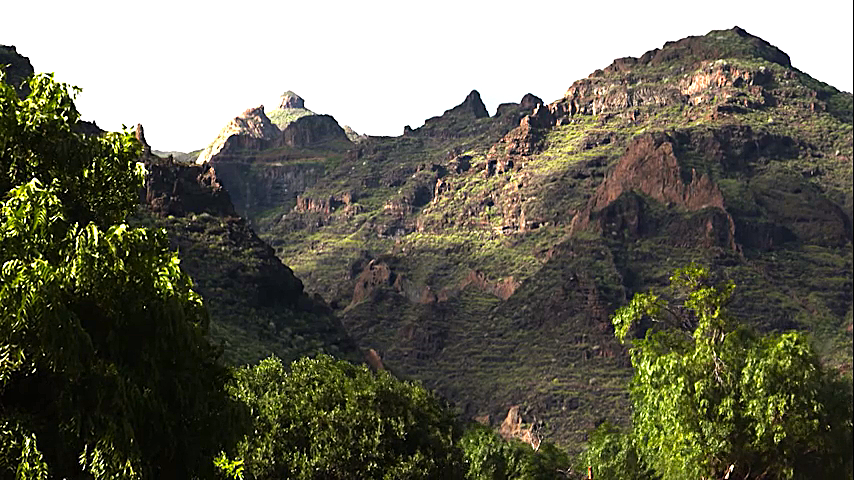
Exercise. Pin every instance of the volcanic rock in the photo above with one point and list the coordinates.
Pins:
(249, 130)
(471, 106)
(313, 129)
(290, 99)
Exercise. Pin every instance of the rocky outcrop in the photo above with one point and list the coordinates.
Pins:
(251, 130)
(312, 130)
(178, 190)
(16, 69)
(530, 101)
(139, 133)
(353, 135)
(503, 288)
(291, 108)
(290, 99)
(650, 166)
(472, 106)
(378, 274)
(266, 167)
(513, 428)
(374, 360)
(325, 205)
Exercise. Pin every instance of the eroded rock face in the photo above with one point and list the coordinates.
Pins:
(173, 189)
(140, 136)
(249, 130)
(472, 106)
(266, 167)
(650, 166)
(290, 99)
(530, 101)
(313, 129)
(512, 428)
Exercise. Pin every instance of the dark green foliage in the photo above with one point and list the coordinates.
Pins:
(490, 457)
(104, 367)
(711, 396)
(328, 419)
(613, 455)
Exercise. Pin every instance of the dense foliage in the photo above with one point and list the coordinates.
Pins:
(325, 418)
(490, 457)
(711, 397)
(104, 367)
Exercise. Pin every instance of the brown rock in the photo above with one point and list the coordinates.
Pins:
(530, 101)
(650, 166)
(313, 129)
(173, 189)
(140, 137)
(290, 99)
(251, 130)
(512, 428)
(374, 360)
(472, 105)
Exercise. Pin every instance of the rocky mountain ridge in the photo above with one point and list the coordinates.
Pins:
(257, 306)
(484, 255)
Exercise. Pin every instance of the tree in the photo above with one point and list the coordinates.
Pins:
(712, 397)
(614, 455)
(328, 419)
(490, 457)
(105, 369)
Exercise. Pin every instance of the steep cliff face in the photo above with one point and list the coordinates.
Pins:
(313, 130)
(267, 163)
(249, 131)
(257, 306)
(484, 255)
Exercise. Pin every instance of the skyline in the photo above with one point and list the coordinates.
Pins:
(183, 72)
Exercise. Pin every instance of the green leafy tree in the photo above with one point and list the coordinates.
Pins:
(323, 418)
(711, 397)
(490, 457)
(105, 370)
(614, 455)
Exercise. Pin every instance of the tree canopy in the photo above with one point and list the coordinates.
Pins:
(714, 398)
(104, 366)
(326, 418)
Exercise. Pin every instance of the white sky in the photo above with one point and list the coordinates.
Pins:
(184, 69)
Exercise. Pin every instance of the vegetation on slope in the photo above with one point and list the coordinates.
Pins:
(545, 341)
(106, 370)
(443, 248)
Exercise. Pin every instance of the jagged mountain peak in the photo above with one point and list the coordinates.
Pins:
(290, 99)
(252, 123)
(291, 108)
(717, 44)
(472, 105)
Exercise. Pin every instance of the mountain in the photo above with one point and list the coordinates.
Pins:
(483, 254)
(256, 304)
